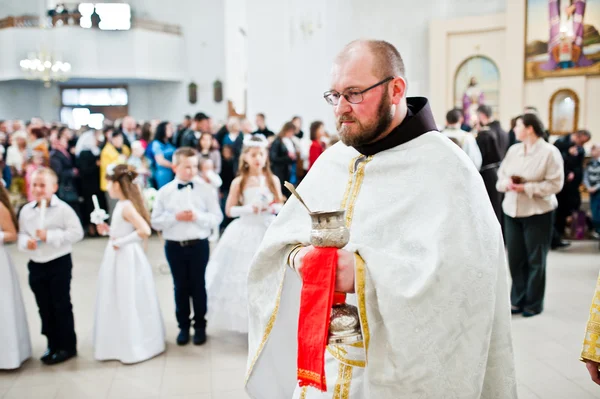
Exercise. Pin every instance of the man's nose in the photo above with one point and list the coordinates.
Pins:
(343, 106)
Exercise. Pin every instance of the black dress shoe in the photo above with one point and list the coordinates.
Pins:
(199, 336)
(515, 310)
(530, 313)
(47, 355)
(183, 338)
(561, 244)
(60, 356)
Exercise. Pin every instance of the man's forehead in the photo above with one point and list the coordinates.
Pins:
(352, 71)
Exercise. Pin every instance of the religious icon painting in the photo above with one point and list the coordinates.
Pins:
(562, 38)
(476, 82)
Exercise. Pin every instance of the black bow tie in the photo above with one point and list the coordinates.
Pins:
(181, 186)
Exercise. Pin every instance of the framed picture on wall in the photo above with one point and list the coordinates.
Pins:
(562, 38)
(476, 82)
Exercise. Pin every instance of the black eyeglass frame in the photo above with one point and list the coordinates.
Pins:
(327, 94)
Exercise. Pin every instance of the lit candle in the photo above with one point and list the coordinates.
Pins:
(43, 213)
(96, 204)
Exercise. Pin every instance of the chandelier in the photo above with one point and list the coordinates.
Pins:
(45, 67)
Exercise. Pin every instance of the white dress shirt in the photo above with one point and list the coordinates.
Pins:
(171, 200)
(61, 223)
(467, 142)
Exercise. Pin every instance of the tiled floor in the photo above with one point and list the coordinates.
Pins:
(546, 346)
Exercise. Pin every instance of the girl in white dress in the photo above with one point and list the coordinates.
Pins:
(254, 198)
(15, 345)
(129, 325)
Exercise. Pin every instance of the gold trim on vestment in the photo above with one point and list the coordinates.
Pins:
(338, 352)
(350, 181)
(591, 343)
(342, 385)
(268, 329)
(360, 176)
(362, 307)
(303, 392)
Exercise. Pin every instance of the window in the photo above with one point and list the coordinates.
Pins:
(112, 16)
(95, 96)
(93, 106)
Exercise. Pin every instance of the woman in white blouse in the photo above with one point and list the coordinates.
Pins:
(530, 175)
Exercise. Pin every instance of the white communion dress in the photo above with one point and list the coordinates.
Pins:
(15, 344)
(129, 325)
(227, 270)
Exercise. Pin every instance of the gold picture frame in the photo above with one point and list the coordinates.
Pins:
(563, 100)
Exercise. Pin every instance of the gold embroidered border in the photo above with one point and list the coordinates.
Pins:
(268, 329)
(303, 392)
(347, 382)
(593, 327)
(342, 385)
(362, 308)
(350, 181)
(316, 378)
(339, 352)
(360, 176)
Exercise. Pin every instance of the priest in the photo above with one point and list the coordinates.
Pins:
(425, 264)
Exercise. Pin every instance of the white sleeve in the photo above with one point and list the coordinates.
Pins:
(213, 216)
(473, 151)
(72, 231)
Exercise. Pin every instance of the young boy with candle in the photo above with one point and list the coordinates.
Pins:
(186, 211)
(49, 227)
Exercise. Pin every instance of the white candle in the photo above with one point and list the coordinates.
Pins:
(42, 213)
(189, 197)
(95, 200)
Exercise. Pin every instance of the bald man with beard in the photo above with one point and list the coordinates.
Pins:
(425, 264)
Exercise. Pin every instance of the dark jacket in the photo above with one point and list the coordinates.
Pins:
(281, 161)
(64, 167)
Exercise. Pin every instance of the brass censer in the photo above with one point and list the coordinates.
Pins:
(329, 230)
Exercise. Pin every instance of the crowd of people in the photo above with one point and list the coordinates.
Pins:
(80, 158)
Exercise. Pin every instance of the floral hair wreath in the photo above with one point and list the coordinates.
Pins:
(256, 141)
(129, 172)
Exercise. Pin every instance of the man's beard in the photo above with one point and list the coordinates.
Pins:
(370, 132)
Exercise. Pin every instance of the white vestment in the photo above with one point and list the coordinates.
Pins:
(432, 291)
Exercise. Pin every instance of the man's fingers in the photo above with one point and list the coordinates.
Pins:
(593, 370)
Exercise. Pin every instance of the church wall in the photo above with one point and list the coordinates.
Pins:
(293, 79)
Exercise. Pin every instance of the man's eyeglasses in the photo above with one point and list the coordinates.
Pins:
(353, 96)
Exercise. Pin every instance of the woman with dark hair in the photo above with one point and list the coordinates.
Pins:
(317, 130)
(162, 154)
(530, 175)
(146, 135)
(283, 155)
(207, 150)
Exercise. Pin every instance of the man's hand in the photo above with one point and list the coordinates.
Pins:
(31, 244)
(571, 176)
(592, 368)
(574, 151)
(185, 216)
(41, 234)
(344, 274)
